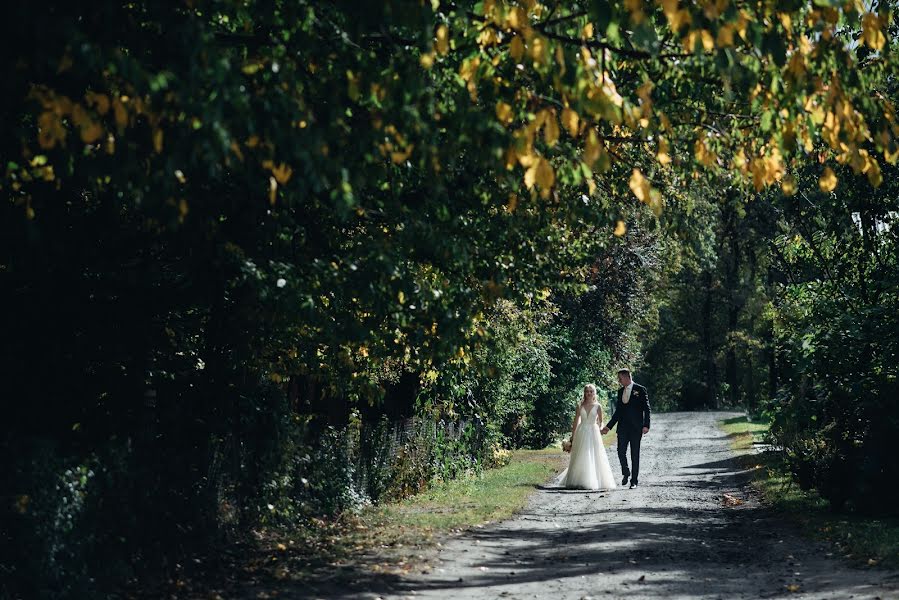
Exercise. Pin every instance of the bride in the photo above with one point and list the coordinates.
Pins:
(588, 467)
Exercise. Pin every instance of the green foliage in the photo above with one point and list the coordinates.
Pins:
(866, 540)
(837, 332)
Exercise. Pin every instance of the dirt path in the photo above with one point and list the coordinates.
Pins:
(669, 538)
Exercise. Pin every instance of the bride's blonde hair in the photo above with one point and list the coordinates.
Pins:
(592, 387)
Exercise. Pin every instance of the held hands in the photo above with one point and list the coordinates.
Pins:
(604, 430)
(645, 430)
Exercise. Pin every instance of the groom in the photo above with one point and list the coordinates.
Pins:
(632, 417)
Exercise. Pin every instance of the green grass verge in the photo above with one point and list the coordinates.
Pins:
(493, 495)
(863, 539)
(392, 537)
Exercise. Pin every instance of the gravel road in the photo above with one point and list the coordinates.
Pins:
(672, 537)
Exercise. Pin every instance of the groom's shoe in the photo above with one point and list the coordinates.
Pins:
(624, 480)
(633, 484)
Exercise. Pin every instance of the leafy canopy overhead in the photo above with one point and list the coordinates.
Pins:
(559, 94)
(400, 165)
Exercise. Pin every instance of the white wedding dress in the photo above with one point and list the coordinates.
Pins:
(588, 468)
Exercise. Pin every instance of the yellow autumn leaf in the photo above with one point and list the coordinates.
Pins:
(235, 148)
(503, 112)
(788, 185)
(725, 37)
(426, 60)
(635, 7)
(91, 131)
(620, 228)
(871, 32)
(282, 173)
(517, 18)
(551, 129)
(546, 177)
(272, 190)
(488, 37)
(530, 175)
(99, 101)
(639, 186)
(540, 173)
(701, 37)
(50, 130)
(872, 171)
(796, 67)
(352, 85)
(570, 121)
(120, 113)
(662, 155)
(516, 48)
(592, 149)
(538, 49)
(512, 204)
(400, 157)
(828, 180)
(469, 68)
(442, 40)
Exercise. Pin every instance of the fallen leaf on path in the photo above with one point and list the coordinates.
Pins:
(793, 588)
(729, 500)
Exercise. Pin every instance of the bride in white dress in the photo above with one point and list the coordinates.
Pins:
(588, 468)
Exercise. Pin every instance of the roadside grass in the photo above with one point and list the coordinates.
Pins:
(865, 540)
(493, 495)
(453, 506)
(393, 537)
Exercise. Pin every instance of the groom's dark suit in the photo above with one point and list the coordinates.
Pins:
(631, 418)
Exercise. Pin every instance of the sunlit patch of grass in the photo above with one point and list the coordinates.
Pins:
(744, 432)
(864, 539)
(493, 495)
(392, 536)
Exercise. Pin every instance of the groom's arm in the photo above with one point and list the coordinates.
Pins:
(615, 416)
(646, 412)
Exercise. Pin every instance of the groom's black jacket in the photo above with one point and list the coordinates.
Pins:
(635, 414)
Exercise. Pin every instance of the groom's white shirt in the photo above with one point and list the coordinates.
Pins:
(626, 395)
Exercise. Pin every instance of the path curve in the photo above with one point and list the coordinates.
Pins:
(669, 538)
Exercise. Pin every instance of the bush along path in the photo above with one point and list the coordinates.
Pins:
(690, 530)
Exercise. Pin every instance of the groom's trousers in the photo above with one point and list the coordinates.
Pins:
(629, 436)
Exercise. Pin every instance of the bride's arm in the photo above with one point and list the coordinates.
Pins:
(577, 417)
